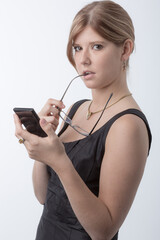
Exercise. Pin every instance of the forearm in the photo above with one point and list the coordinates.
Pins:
(40, 178)
(89, 209)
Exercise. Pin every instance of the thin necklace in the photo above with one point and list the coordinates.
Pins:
(89, 113)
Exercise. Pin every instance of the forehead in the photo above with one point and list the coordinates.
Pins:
(88, 35)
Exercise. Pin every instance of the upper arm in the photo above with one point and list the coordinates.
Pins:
(123, 164)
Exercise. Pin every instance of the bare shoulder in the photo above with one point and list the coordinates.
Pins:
(131, 129)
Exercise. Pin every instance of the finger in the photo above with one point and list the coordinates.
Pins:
(56, 103)
(52, 111)
(48, 107)
(19, 131)
(18, 126)
(47, 128)
(52, 119)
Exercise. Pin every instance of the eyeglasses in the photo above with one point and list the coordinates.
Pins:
(67, 120)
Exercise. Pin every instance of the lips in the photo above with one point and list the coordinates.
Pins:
(85, 73)
(88, 75)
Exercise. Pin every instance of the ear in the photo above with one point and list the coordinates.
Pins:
(127, 49)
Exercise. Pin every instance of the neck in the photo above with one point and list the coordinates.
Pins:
(100, 96)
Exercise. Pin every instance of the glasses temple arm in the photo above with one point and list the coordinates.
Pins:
(68, 87)
(101, 113)
(70, 84)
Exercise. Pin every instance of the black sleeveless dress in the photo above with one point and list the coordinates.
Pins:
(58, 221)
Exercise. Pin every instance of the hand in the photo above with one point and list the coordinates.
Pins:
(48, 150)
(50, 112)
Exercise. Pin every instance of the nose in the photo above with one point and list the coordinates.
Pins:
(85, 57)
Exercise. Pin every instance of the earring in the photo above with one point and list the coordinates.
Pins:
(124, 66)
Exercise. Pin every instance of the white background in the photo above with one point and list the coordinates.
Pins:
(34, 67)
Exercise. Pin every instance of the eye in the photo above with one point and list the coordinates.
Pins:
(97, 46)
(77, 48)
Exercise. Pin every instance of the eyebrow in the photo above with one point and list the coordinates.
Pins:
(100, 42)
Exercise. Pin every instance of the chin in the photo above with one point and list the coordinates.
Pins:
(90, 85)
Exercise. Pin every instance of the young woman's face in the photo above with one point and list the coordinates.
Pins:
(100, 58)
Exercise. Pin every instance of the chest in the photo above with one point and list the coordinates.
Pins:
(86, 156)
(83, 125)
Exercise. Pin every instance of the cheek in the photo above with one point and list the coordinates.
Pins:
(109, 69)
(76, 59)
(111, 63)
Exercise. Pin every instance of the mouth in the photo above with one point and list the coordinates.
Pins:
(85, 73)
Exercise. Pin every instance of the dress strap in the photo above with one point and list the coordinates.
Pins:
(108, 125)
(71, 113)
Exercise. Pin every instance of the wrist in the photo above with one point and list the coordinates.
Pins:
(64, 165)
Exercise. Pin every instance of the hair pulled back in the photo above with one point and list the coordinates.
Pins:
(107, 18)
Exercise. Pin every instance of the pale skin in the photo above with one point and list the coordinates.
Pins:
(126, 146)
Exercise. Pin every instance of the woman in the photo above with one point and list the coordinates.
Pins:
(87, 182)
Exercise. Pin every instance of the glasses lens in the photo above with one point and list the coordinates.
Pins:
(65, 118)
(80, 130)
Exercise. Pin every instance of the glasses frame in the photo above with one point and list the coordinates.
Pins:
(69, 121)
(75, 127)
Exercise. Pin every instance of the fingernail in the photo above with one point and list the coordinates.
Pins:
(43, 121)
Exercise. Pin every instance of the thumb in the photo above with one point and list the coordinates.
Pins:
(47, 127)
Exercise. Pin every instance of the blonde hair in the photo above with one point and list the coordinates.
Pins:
(107, 18)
